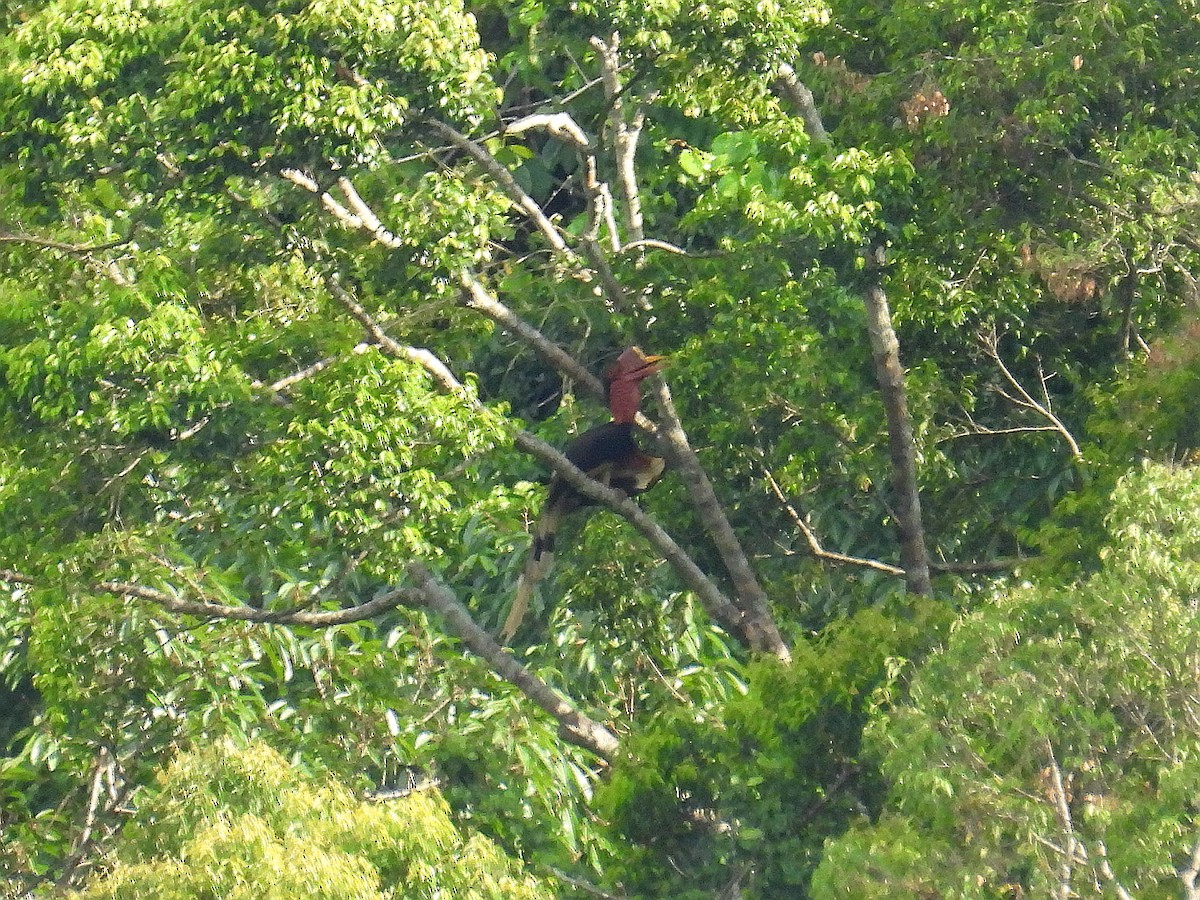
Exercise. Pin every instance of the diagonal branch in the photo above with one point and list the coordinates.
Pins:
(1022, 398)
(508, 184)
(750, 597)
(715, 602)
(814, 545)
(574, 726)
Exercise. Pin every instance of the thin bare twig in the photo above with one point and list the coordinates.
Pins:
(814, 545)
(1022, 398)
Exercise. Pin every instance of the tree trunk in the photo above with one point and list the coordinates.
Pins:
(886, 351)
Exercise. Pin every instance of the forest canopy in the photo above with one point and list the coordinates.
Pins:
(302, 303)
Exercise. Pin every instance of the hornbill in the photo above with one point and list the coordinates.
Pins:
(607, 453)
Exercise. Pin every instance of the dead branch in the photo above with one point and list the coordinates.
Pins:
(1023, 398)
(574, 726)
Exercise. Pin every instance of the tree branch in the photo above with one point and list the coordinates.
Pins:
(426, 592)
(991, 346)
(1191, 874)
(507, 183)
(814, 545)
(718, 606)
(790, 85)
(750, 597)
(206, 610)
(574, 726)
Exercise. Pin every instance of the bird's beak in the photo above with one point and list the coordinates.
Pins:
(652, 365)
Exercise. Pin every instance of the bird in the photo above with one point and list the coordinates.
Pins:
(609, 454)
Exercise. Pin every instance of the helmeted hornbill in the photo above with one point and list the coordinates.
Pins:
(609, 454)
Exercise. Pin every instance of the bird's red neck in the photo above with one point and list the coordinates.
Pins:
(624, 399)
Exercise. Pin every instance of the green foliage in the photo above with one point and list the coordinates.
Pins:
(1055, 716)
(760, 782)
(184, 403)
(243, 822)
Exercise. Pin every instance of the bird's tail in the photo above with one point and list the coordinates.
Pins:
(537, 566)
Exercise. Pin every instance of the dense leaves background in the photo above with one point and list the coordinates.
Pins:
(210, 212)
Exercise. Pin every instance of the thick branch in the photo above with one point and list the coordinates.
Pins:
(885, 349)
(574, 727)
(801, 97)
(714, 601)
(751, 598)
(1190, 875)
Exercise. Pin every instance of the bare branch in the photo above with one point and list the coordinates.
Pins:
(102, 765)
(426, 592)
(507, 183)
(625, 133)
(478, 298)
(309, 371)
(366, 215)
(206, 610)
(9, 237)
(1106, 871)
(574, 726)
(1022, 398)
(11, 576)
(339, 212)
(801, 97)
(814, 545)
(751, 599)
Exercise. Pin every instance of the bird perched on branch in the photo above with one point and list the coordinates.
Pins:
(609, 454)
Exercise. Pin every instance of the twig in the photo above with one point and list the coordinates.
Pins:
(814, 545)
(585, 886)
(990, 344)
